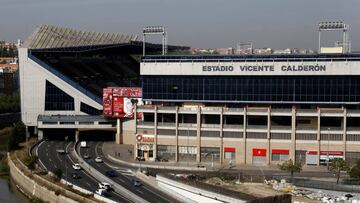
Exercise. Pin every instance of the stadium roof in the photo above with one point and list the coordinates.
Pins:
(49, 37)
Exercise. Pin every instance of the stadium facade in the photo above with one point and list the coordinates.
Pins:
(251, 109)
(62, 75)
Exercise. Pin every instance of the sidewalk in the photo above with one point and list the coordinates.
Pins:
(120, 154)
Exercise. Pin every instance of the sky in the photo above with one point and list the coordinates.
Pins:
(278, 24)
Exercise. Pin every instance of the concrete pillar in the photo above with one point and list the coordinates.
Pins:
(318, 133)
(268, 135)
(155, 133)
(40, 134)
(244, 135)
(76, 135)
(293, 133)
(177, 133)
(344, 132)
(118, 131)
(221, 137)
(198, 131)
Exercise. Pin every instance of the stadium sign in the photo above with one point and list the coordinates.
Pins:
(252, 68)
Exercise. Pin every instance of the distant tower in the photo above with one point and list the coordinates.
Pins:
(156, 30)
(244, 48)
(336, 26)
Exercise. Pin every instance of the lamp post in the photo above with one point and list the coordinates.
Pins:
(328, 158)
(66, 166)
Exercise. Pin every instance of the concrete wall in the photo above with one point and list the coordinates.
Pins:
(32, 188)
(32, 89)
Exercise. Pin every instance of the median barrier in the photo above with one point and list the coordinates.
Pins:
(99, 176)
(143, 165)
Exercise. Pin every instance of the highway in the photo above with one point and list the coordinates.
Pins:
(124, 178)
(52, 160)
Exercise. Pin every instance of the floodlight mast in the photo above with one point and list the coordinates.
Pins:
(336, 26)
(155, 30)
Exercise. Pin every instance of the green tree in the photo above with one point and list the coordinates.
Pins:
(290, 166)
(354, 172)
(17, 135)
(337, 166)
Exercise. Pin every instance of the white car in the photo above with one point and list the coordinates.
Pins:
(76, 166)
(98, 160)
(101, 192)
(105, 186)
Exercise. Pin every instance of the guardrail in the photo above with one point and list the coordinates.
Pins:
(117, 187)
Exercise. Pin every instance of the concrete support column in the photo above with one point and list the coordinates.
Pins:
(293, 133)
(118, 131)
(155, 133)
(40, 134)
(221, 137)
(77, 135)
(318, 133)
(198, 131)
(244, 135)
(177, 133)
(268, 135)
(344, 132)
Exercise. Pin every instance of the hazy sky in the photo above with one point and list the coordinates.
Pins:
(197, 23)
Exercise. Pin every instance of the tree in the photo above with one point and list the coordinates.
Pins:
(30, 162)
(354, 172)
(58, 173)
(337, 166)
(290, 166)
(17, 135)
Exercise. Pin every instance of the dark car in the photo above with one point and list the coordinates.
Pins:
(75, 176)
(137, 183)
(111, 173)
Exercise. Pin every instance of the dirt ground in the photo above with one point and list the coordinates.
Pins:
(254, 189)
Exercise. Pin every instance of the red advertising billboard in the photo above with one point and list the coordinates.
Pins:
(132, 92)
(259, 152)
(119, 102)
(107, 102)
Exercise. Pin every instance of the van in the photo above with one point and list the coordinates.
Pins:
(83, 144)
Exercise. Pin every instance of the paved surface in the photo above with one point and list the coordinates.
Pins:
(52, 160)
(125, 177)
(114, 149)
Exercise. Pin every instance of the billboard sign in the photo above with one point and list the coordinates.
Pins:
(119, 102)
(107, 102)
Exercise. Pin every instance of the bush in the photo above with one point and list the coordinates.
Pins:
(30, 162)
(58, 173)
(4, 167)
(17, 135)
(355, 171)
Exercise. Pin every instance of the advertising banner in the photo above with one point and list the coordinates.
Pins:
(118, 106)
(107, 102)
(132, 92)
(259, 152)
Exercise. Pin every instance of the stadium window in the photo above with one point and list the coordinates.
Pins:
(56, 99)
(89, 109)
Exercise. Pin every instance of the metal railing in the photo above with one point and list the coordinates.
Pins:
(325, 185)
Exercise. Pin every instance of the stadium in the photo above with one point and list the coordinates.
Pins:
(243, 109)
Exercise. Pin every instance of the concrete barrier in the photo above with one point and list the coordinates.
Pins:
(101, 177)
(194, 194)
(143, 165)
(34, 189)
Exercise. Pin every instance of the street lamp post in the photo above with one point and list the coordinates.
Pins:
(66, 166)
(328, 146)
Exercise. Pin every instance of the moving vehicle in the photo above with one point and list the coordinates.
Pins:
(101, 192)
(83, 144)
(86, 156)
(106, 186)
(140, 158)
(111, 173)
(76, 166)
(75, 176)
(60, 151)
(137, 183)
(98, 160)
